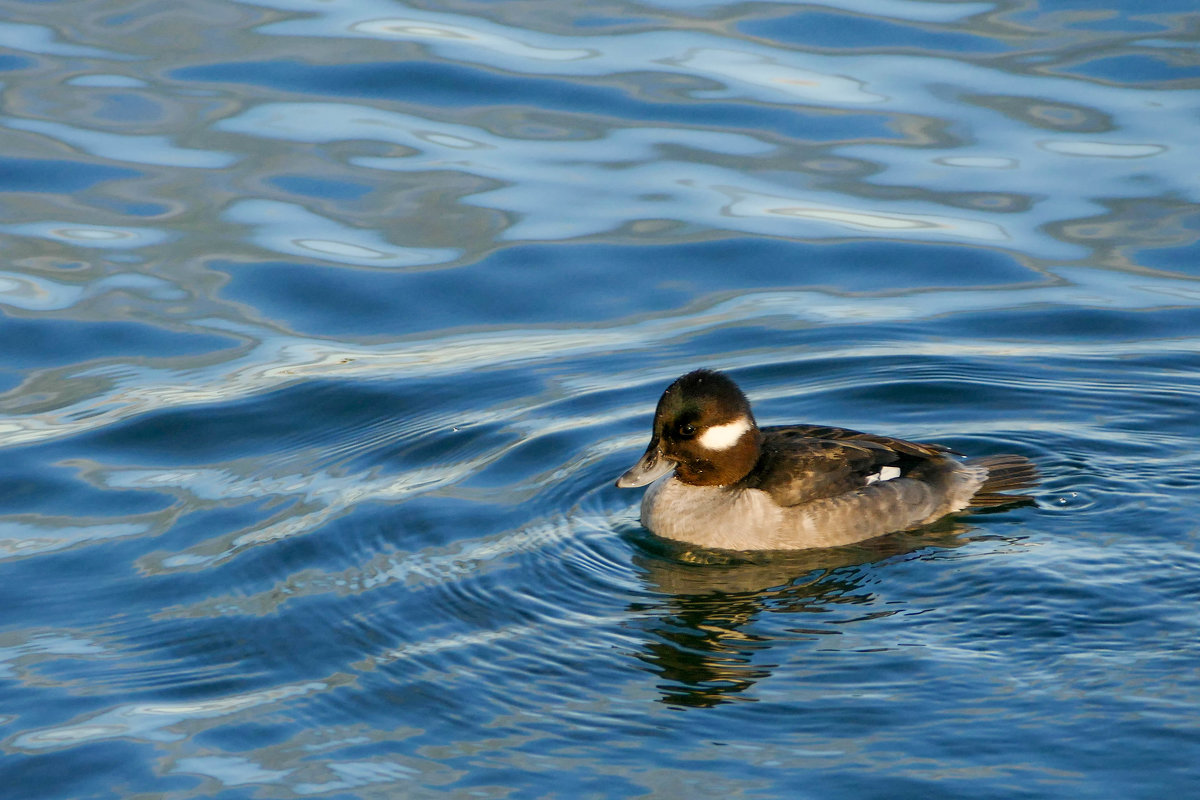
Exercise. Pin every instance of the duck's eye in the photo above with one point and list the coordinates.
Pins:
(687, 430)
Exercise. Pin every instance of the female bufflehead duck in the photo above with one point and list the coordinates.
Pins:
(740, 487)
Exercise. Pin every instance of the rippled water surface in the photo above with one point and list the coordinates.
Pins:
(327, 327)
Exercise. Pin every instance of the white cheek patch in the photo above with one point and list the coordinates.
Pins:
(723, 437)
(884, 474)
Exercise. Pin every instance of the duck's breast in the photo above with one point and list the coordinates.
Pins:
(712, 516)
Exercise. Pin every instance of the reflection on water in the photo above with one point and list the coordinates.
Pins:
(703, 646)
(328, 326)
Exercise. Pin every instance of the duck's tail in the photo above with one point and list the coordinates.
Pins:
(1005, 474)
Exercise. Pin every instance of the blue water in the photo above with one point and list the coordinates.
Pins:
(327, 327)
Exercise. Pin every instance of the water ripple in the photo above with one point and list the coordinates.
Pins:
(157, 150)
(153, 721)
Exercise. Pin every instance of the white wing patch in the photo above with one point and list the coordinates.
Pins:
(723, 437)
(884, 474)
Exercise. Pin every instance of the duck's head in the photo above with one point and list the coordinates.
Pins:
(704, 430)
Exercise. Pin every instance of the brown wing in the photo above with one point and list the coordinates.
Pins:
(902, 446)
(801, 463)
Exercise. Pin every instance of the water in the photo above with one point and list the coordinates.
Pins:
(327, 327)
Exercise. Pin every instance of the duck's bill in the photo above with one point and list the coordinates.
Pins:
(652, 466)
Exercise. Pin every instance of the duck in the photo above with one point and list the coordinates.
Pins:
(717, 480)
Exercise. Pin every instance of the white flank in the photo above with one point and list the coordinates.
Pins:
(723, 437)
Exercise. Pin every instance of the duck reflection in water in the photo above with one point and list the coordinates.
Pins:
(702, 644)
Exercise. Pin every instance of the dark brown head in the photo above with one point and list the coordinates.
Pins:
(704, 430)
